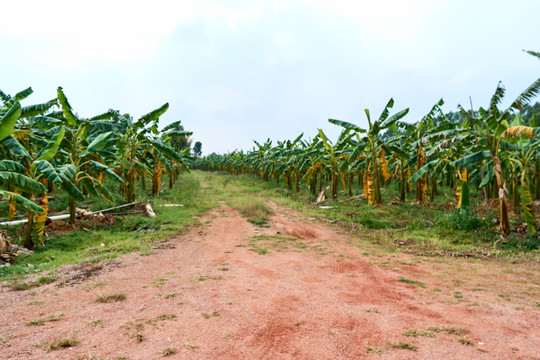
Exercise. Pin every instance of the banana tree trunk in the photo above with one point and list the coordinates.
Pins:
(376, 184)
(515, 193)
(403, 183)
(334, 183)
(537, 179)
(504, 222)
(28, 241)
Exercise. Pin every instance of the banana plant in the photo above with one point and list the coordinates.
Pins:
(81, 146)
(372, 145)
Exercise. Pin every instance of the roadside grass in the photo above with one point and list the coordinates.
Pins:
(128, 234)
(253, 208)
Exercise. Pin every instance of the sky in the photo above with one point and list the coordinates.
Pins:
(242, 70)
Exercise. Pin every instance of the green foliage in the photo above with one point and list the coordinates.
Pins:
(460, 219)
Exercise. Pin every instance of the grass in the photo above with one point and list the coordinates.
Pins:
(168, 351)
(451, 330)
(104, 299)
(191, 346)
(61, 343)
(254, 209)
(51, 318)
(412, 282)
(402, 345)
(19, 286)
(414, 333)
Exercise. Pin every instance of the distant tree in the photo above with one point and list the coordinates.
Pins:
(197, 149)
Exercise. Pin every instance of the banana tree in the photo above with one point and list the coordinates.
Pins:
(372, 146)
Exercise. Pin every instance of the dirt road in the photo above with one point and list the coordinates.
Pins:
(294, 290)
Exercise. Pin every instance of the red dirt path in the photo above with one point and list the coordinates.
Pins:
(298, 301)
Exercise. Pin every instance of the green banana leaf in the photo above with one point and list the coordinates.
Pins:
(37, 109)
(472, 159)
(347, 125)
(155, 114)
(166, 151)
(66, 107)
(15, 146)
(10, 165)
(22, 182)
(107, 171)
(21, 200)
(51, 149)
(47, 170)
(8, 121)
(98, 143)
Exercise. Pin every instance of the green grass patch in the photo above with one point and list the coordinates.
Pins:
(253, 208)
(412, 282)
(402, 345)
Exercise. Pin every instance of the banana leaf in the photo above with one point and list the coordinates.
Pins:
(66, 108)
(8, 121)
(51, 148)
(47, 170)
(22, 182)
(108, 171)
(97, 143)
(15, 146)
(10, 165)
(21, 201)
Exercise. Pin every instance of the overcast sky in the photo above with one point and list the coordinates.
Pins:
(237, 71)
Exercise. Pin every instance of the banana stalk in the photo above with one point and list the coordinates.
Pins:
(39, 225)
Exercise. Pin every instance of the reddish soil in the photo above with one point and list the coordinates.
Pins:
(316, 293)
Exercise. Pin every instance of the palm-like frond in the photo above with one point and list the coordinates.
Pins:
(526, 95)
(497, 96)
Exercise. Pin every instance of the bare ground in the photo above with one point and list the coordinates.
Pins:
(295, 290)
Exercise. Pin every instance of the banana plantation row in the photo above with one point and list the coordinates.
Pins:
(47, 146)
(492, 149)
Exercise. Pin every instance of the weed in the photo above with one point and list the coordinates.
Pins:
(40, 281)
(39, 322)
(96, 323)
(260, 251)
(402, 345)
(191, 346)
(170, 295)
(111, 298)
(168, 351)
(412, 282)
(208, 316)
(461, 219)
(465, 341)
(5, 339)
(414, 333)
(451, 330)
(373, 310)
(62, 343)
(374, 350)
(36, 303)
